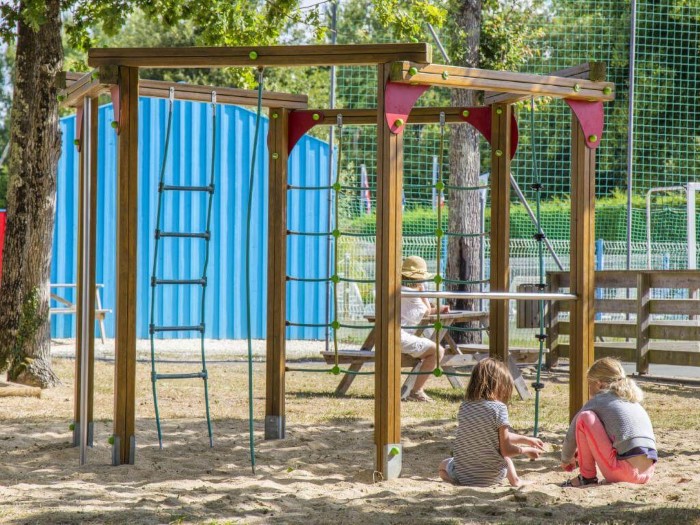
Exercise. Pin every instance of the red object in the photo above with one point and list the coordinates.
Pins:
(2, 235)
(591, 118)
(300, 122)
(399, 100)
(480, 118)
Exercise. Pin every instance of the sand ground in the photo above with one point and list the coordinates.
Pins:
(323, 471)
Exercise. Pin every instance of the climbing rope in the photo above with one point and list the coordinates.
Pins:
(540, 238)
(251, 183)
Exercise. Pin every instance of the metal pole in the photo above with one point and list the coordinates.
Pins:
(331, 133)
(525, 204)
(630, 130)
(692, 233)
(84, 325)
(439, 44)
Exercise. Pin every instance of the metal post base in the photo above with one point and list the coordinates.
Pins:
(393, 461)
(275, 427)
(76, 434)
(116, 450)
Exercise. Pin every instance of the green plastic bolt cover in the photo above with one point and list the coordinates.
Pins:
(335, 370)
(593, 138)
(465, 113)
(412, 70)
(398, 122)
(607, 90)
(499, 111)
(76, 142)
(275, 155)
(438, 279)
(335, 279)
(335, 233)
(499, 153)
(61, 98)
(335, 325)
(114, 124)
(439, 185)
(438, 326)
(110, 440)
(577, 88)
(394, 451)
(439, 232)
(71, 426)
(316, 116)
(253, 55)
(275, 115)
(95, 75)
(337, 186)
(445, 75)
(437, 372)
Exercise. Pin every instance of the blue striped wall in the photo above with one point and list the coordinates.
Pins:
(189, 163)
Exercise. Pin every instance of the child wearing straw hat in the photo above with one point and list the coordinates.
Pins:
(414, 273)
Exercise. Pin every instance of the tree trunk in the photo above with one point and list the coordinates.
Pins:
(31, 201)
(464, 253)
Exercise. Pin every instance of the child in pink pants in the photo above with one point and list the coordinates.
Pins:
(612, 431)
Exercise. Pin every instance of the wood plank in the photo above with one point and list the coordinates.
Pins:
(594, 71)
(627, 353)
(658, 330)
(388, 283)
(607, 306)
(500, 229)
(643, 322)
(127, 210)
(675, 306)
(266, 56)
(552, 358)
(673, 279)
(276, 274)
(502, 81)
(368, 116)
(582, 273)
(84, 85)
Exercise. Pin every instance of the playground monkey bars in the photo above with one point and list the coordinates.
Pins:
(404, 73)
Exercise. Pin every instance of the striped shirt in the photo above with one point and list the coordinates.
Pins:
(477, 452)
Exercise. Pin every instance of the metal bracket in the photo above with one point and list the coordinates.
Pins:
(115, 93)
(393, 460)
(591, 117)
(399, 100)
(79, 127)
(132, 449)
(116, 451)
(300, 122)
(76, 434)
(275, 427)
(480, 119)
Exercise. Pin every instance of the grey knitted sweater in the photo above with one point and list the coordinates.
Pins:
(627, 425)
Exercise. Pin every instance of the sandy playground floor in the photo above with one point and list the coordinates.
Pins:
(322, 473)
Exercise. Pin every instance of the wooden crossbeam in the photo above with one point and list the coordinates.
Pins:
(263, 56)
(594, 71)
(501, 81)
(368, 116)
(78, 85)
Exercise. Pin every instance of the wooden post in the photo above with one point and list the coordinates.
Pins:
(581, 346)
(552, 358)
(125, 313)
(643, 321)
(276, 274)
(387, 415)
(86, 251)
(500, 228)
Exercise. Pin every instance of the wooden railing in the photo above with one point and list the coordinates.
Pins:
(638, 338)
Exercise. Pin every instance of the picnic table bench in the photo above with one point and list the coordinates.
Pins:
(67, 307)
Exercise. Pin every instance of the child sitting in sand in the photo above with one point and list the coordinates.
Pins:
(485, 442)
(611, 431)
(414, 272)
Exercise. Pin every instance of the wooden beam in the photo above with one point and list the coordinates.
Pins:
(98, 82)
(125, 313)
(500, 228)
(261, 56)
(582, 265)
(387, 415)
(501, 81)
(594, 71)
(276, 274)
(368, 116)
(552, 357)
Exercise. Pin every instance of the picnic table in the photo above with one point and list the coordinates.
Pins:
(357, 358)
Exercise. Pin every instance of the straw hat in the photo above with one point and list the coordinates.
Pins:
(415, 267)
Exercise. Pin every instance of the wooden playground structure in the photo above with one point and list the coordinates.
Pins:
(404, 72)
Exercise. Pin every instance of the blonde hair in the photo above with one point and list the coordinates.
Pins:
(612, 377)
(490, 381)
